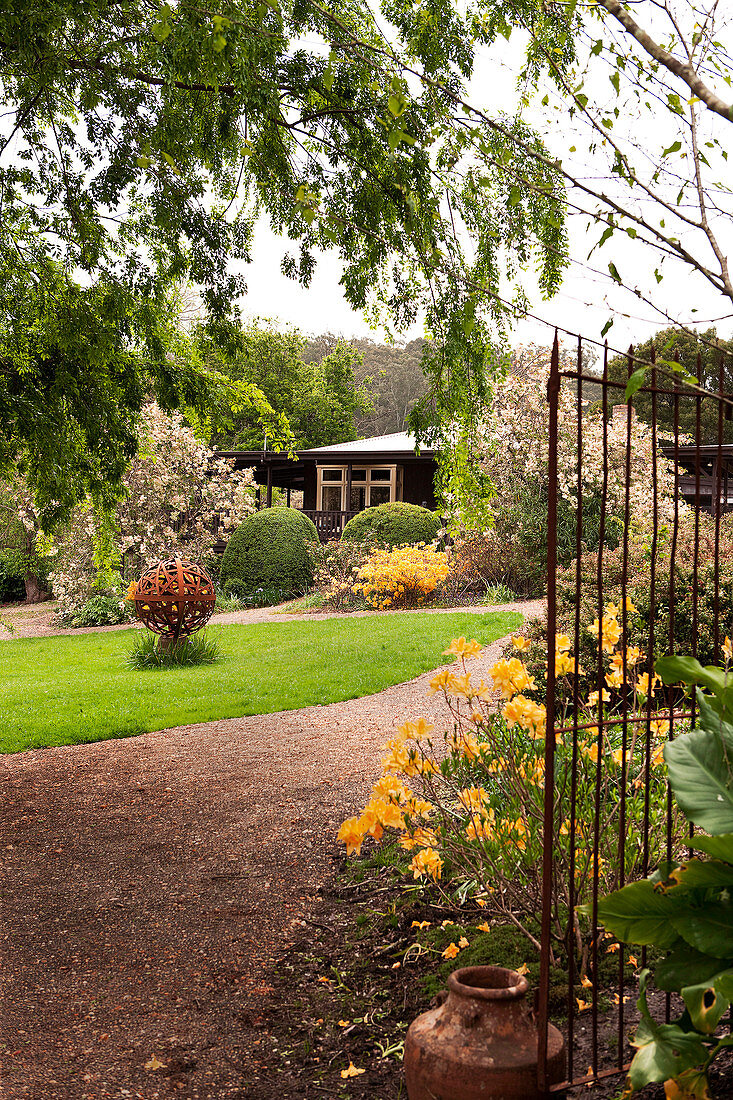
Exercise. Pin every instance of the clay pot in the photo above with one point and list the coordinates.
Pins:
(480, 1043)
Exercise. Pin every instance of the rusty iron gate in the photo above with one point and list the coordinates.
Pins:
(606, 817)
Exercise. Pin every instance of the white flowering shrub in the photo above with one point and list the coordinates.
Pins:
(514, 456)
(179, 499)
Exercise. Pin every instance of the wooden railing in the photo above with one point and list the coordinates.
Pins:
(329, 525)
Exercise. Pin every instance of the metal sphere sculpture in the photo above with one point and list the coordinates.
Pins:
(174, 598)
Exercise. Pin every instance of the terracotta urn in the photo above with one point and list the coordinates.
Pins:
(480, 1043)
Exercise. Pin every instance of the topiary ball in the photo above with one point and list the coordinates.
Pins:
(268, 550)
(396, 524)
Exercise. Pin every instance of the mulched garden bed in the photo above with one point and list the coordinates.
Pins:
(345, 992)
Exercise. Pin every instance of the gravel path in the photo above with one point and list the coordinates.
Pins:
(149, 883)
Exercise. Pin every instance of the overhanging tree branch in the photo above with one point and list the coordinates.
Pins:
(682, 69)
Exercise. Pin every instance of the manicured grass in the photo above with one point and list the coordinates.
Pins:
(66, 690)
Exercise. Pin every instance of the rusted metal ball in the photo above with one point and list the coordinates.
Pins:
(174, 598)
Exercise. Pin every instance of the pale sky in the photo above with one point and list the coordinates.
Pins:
(585, 302)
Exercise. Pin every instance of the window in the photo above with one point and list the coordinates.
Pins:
(379, 494)
(370, 486)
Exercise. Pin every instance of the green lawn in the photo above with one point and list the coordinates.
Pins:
(66, 690)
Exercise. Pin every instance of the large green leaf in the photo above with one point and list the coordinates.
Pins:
(638, 914)
(662, 1050)
(699, 874)
(719, 847)
(700, 775)
(685, 966)
(706, 1001)
(688, 670)
(708, 929)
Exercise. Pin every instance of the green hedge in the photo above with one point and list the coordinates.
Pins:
(396, 524)
(268, 550)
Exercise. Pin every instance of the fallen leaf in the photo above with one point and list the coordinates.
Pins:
(352, 1071)
(633, 961)
(344, 1023)
(396, 966)
(582, 1005)
(463, 942)
(451, 951)
(586, 982)
(483, 927)
(420, 924)
(523, 969)
(154, 1064)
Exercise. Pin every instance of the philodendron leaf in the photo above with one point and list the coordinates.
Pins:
(685, 966)
(719, 847)
(639, 914)
(688, 670)
(699, 874)
(700, 773)
(708, 1000)
(708, 929)
(663, 1051)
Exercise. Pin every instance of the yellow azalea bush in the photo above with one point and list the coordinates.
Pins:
(403, 577)
(470, 798)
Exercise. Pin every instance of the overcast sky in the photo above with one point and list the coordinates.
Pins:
(586, 300)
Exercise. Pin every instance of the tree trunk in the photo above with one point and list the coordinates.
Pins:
(34, 589)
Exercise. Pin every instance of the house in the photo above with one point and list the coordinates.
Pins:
(700, 479)
(343, 479)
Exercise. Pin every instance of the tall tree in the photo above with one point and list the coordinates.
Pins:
(144, 138)
(319, 399)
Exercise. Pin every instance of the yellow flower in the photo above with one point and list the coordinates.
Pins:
(612, 610)
(461, 648)
(593, 698)
(473, 799)
(389, 786)
(522, 970)
(633, 961)
(615, 679)
(562, 643)
(564, 664)
(582, 1005)
(351, 835)
(586, 982)
(369, 822)
(440, 681)
(511, 676)
(629, 605)
(427, 862)
(521, 644)
(461, 685)
(728, 648)
(660, 727)
(590, 750)
(642, 683)
(352, 1071)
(451, 951)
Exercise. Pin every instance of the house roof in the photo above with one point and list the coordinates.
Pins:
(396, 442)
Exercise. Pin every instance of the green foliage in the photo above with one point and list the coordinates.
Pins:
(77, 364)
(199, 649)
(669, 344)
(686, 907)
(396, 524)
(319, 399)
(12, 587)
(240, 595)
(145, 157)
(102, 610)
(266, 667)
(270, 550)
(391, 373)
